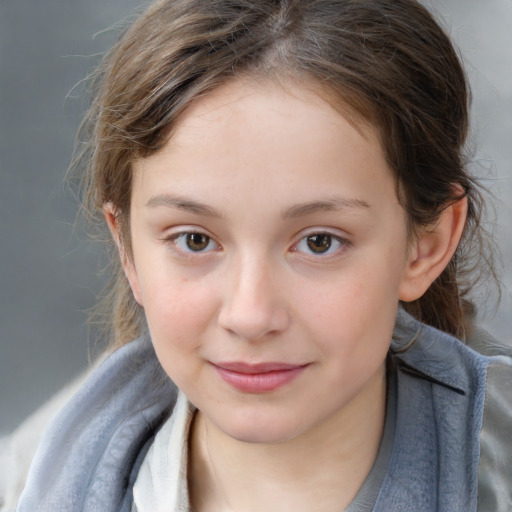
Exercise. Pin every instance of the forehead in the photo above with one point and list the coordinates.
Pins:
(287, 139)
(254, 98)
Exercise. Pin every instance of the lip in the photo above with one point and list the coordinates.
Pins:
(258, 378)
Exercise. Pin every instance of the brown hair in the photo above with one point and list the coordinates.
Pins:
(387, 60)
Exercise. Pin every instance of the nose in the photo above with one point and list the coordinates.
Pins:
(254, 306)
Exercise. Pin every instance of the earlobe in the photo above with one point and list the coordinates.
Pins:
(432, 251)
(127, 263)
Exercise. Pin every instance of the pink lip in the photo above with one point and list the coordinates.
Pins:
(257, 378)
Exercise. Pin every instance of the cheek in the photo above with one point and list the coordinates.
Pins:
(352, 316)
(178, 314)
(350, 296)
(178, 310)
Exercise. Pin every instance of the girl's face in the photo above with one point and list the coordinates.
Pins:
(269, 251)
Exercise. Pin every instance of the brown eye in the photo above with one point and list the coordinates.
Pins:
(193, 242)
(319, 243)
(197, 241)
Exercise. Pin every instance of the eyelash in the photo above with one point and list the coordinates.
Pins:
(180, 243)
(334, 243)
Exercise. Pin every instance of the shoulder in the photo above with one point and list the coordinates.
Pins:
(441, 359)
(17, 449)
(483, 342)
(456, 403)
(90, 449)
(495, 465)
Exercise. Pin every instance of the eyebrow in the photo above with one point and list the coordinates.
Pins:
(183, 203)
(332, 204)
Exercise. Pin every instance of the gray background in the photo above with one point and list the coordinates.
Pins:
(49, 274)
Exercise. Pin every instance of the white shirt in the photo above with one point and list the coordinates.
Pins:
(161, 484)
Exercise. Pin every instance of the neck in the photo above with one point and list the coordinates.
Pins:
(319, 470)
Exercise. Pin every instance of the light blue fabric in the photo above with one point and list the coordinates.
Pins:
(89, 458)
(441, 394)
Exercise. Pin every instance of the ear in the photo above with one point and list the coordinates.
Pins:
(432, 251)
(127, 262)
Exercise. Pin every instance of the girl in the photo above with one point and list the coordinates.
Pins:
(285, 186)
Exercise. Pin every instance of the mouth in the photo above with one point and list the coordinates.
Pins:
(258, 378)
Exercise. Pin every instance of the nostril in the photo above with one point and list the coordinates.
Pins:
(250, 324)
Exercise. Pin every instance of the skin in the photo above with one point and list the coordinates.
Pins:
(253, 171)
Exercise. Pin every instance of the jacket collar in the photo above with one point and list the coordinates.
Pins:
(432, 354)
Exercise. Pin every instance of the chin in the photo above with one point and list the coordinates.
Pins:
(272, 431)
(260, 437)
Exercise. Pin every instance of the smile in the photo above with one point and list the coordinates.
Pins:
(259, 378)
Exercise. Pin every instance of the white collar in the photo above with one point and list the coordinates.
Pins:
(161, 484)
